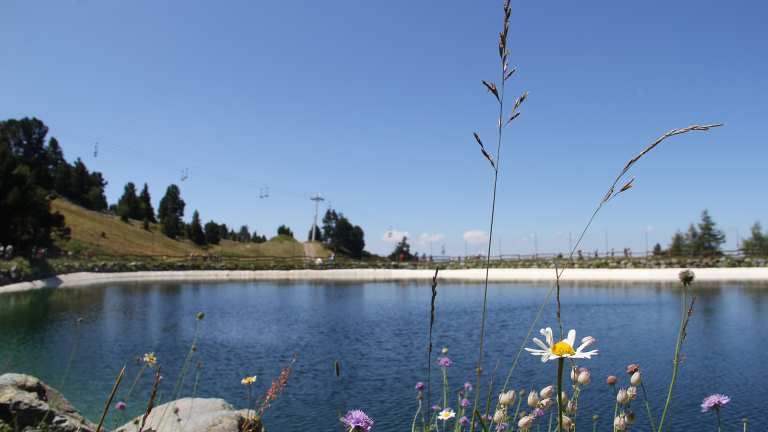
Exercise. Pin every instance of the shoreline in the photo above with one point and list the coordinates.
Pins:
(386, 275)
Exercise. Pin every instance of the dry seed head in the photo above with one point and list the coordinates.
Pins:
(547, 392)
(336, 368)
(622, 397)
(533, 399)
(620, 423)
(498, 415)
(571, 407)
(637, 378)
(630, 417)
(509, 73)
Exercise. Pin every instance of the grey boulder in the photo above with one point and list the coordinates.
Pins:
(200, 415)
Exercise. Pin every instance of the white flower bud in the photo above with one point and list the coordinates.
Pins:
(498, 416)
(545, 404)
(508, 398)
(632, 392)
(620, 423)
(533, 399)
(571, 407)
(567, 422)
(630, 417)
(622, 397)
(525, 423)
(637, 378)
(547, 392)
(575, 374)
(584, 378)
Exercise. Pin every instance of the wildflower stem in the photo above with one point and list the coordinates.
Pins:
(181, 377)
(413, 427)
(560, 363)
(338, 381)
(616, 407)
(550, 421)
(677, 360)
(117, 422)
(192, 404)
(719, 429)
(594, 425)
(109, 402)
(58, 392)
(648, 407)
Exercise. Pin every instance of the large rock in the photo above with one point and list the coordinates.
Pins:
(207, 415)
(25, 401)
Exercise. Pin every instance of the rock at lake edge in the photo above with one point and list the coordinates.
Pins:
(208, 415)
(25, 400)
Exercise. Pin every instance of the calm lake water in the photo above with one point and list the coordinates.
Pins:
(379, 334)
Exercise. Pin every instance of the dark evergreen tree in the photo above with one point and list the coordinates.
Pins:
(195, 230)
(284, 230)
(223, 231)
(145, 205)
(244, 235)
(318, 234)
(170, 212)
(233, 235)
(710, 238)
(26, 138)
(692, 239)
(212, 233)
(128, 206)
(758, 242)
(678, 243)
(346, 238)
(329, 221)
(25, 210)
(402, 248)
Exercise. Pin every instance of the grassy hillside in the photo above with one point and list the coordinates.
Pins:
(129, 238)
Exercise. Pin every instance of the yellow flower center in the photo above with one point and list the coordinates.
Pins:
(562, 348)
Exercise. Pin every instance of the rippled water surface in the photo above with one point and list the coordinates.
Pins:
(379, 334)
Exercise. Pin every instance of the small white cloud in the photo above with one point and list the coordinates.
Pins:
(395, 237)
(430, 238)
(650, 228)
(557, 233)
(476, 238)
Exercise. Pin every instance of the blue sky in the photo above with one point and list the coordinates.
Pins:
(373, 105)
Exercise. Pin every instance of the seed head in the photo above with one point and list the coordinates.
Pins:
(595, 417)
(637, 378)
(445, 351)
(686, 277)
(547, 392)
(632, 392)
(620, 423)
(567, 422)
(575, 374)
(200, 315)
(545, 404)
(571, 407)
(630, 418)
(508, 398)
(498, 416)
(622, 397)
(525, 423)
(521, 393)
(584, 378)
(80, 320)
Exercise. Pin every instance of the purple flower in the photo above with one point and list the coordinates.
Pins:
(420, 386)
(436, 408)
(160, 378)
(501, 426)
(468, 387)
(465, 402)
(715, 401)
(449, 409)
(120, 406)
(487, 418)
(443, 361)
(357, 420)
(538, 413)
(463, 420)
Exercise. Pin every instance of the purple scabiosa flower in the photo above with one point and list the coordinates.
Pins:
(468, 387)
(501, 426)
(632, 368)
(487, 417)
(160, 378)
(611, 380)
(420, 386)
(357, 420)
(715, 401)
(538, 413)
(137, 359)
(443, 361)
(463, 420)
(120, 406)
(436, 408)
(465, 402)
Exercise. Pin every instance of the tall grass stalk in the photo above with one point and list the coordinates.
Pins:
(192, 404)
(647, 407)
(680, 338)
(109, 402)
(117, 420)
(64, 378)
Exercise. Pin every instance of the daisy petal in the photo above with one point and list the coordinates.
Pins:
(548, 334)
(540, 343)
(571, 338)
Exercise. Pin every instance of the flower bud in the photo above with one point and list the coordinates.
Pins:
(632, 368)
(632, 392)
(611, 380)
(622, 397)
(565, 397)
(584, 378)
(521, 393)
(575, 374)
(498, 416)
(445, 351)
(595, 417)
(525, 423)
(637, 378)
(533, 399)
(508, 398)
(547, 392)
(545, 404)
(567, 422)
(620, 423)
(80, 320)
(571, 407)
(200, 315)
(630, 417)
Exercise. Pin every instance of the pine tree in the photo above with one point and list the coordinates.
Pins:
(170, 212)
(757, 242)
(145, 205)
(128, 205)
(402, 248)
(195, 230)
(710, 238)
(678, 244)
(212, 233)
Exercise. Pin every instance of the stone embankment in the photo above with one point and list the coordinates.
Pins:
(26, 404)
(18, 274)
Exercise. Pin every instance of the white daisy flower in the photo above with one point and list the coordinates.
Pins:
(562, 349)
(446, 414)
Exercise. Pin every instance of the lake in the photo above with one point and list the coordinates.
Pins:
(379, 334)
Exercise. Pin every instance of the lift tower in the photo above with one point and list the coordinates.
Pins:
(317, 200)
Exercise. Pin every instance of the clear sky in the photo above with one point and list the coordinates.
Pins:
(373, 105)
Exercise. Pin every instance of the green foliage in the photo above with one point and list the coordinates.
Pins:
(402, 248)
(244, 235)
(281, 238)
(213, 233)
(170, 212)
(128, 205)
(284, 230)
(145, 224)
(329, 221)
(195, 230)
(26, 139)
(25, 207)
(341, 236)
(145, 205)
(80, 186)
(223, 232)
(710, 238)
(757, 241)
(318, 234)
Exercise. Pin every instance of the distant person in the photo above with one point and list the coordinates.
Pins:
(401, 257)
(595, 253)
(629, 250)
(611, 252)
(625, 252)
(580, 256)
(417, 256)
(430, 258)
